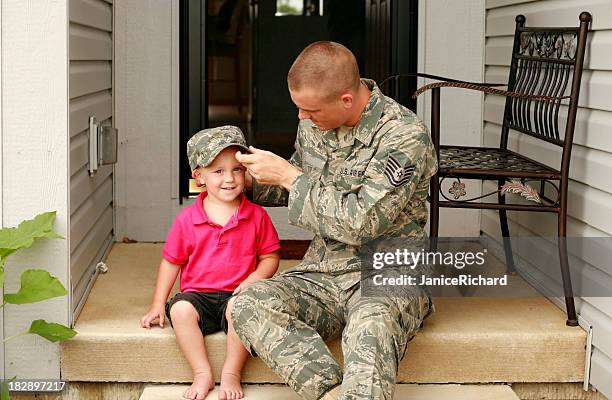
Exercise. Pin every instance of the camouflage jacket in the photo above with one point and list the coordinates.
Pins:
(374, 182)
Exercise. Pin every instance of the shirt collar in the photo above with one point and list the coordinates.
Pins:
(200, 217)
(364, 130)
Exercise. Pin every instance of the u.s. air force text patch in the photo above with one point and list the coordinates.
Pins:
(396, 173)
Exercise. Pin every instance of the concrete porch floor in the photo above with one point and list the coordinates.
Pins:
(467, 340)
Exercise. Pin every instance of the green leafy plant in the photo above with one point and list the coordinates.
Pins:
(36, 284)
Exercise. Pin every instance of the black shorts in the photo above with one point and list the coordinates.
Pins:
(210, 307)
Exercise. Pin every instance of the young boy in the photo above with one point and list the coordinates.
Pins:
(221, 244)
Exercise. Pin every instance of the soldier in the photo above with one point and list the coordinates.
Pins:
(361, 169)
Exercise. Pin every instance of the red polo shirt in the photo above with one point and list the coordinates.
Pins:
(214, 257)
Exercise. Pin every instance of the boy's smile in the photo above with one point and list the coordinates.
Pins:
(224, 177)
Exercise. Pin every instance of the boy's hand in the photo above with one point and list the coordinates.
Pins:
(245, 284)
(156, 312)
(266, 267)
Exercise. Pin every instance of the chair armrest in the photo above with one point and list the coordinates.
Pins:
(436, 77)
(485, 89)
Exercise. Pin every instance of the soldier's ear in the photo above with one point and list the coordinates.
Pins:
(347, 100)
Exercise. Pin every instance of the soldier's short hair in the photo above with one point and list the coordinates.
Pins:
(326, 67)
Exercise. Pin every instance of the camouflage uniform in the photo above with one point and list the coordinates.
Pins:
(372, 182)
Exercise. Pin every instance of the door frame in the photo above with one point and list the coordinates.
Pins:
(193, 81)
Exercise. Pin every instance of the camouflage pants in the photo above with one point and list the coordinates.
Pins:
(286, 319)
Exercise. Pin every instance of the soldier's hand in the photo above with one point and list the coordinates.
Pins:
(248, 180)
(268, 168)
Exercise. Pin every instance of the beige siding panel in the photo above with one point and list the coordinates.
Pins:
(590, 185)
(94, 13)
(595, 88)
(83, 257)
(81, 185)
(588, 204)
(594, 311)
(79, 152)
(542, 261)
(599, 47)
(585, 204)
(89, 77)
(89, 44)
(599, 50)
(593, 127)
(83, 219)
(91, 94)
(97, 104)
(601, 365)
(545, 224)
(588, 166)
(499, 3)
(498, 50)
(595, 256)
(80, 286)
(501, 21)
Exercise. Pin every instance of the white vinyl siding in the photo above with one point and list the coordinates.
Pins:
(462, 109)
(35, 165)
(590, 190)
(91, 94)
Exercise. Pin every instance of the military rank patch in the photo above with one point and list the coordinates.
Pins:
(396, 173)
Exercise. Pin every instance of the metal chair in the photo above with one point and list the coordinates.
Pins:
(546, 64)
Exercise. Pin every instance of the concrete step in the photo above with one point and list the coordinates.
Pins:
(412, 392)
(467, 340)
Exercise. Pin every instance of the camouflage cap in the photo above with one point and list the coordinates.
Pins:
(205, 145)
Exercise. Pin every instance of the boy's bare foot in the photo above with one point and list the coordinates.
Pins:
(229, 388)
(203, 383)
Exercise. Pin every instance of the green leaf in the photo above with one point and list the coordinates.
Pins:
(51, 331)
(4, 390)
(5, 252)
(23, 236)
(54, 235)
(36, 285)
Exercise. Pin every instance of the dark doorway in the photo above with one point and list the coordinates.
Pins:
(235, 55)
